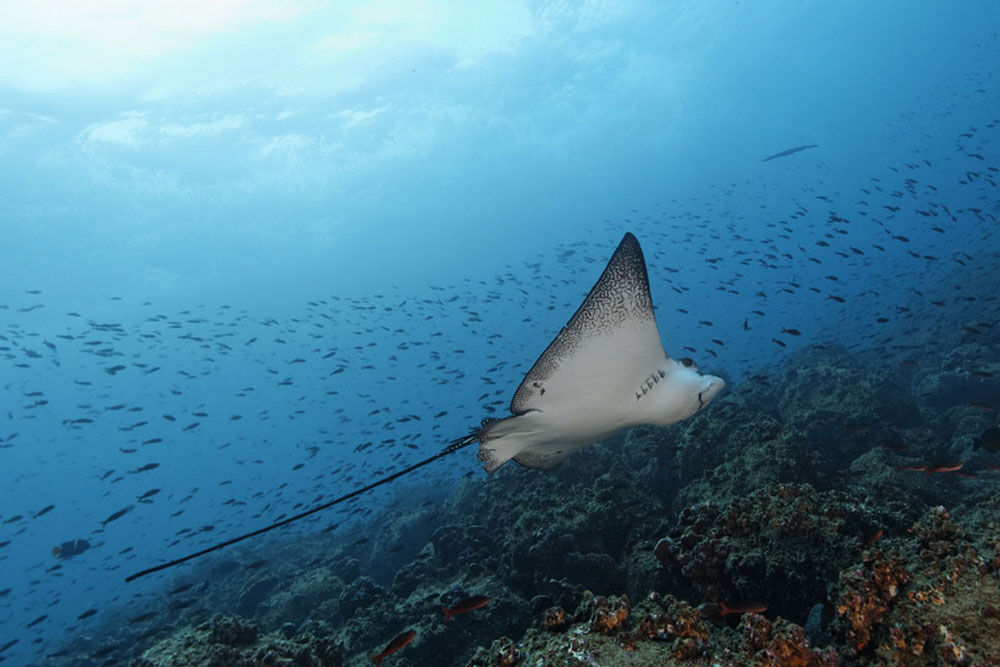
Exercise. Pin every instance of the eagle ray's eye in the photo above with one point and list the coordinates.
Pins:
(687, 361)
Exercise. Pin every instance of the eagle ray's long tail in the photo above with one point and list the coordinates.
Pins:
(452, 447)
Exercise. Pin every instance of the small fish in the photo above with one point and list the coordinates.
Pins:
(393, 646)
(928, 469)
(871, 540)
(468, 604)
(791, 332)
(749, 608)
(789, 151)
(944, 467)
(142, 618)
(86, 614)
(989, 440)
(70, 548)
(117, 515)
(45, 510)
(180, 589)
(37, 620)
(182, 604)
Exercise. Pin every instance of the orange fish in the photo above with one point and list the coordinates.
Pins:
(393, 646)
(468, 604)
(928, 469)
(750, 608)
(872, 539)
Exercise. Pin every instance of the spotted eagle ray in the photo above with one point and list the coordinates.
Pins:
(605, 371)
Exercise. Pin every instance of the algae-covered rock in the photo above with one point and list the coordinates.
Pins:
(224, 641)
(362, 592)
(254, 594)
(790, 494)
(313, 590)
(660, 630)
(936, 600)
(760, 452)
(839, 405)
(780, 546)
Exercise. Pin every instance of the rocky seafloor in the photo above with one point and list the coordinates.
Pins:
(793, 523)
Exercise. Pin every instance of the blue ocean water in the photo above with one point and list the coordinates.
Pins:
(280, 250)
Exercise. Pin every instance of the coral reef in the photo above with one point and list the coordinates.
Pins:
(790, 501)
(865, 596)
(661, 630)
(945, 608)
(781, 544)
(224, 641)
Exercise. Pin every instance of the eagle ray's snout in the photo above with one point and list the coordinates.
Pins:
(713, 385)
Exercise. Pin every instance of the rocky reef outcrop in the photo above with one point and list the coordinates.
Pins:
(830, 510)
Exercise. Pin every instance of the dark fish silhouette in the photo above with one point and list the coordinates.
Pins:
(70, 548)
(989, 440)
(142, 618)
(117, 515)
(789, 151)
